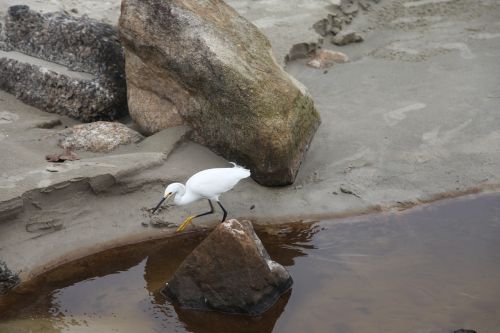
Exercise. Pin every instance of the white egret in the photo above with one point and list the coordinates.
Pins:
(207, 184)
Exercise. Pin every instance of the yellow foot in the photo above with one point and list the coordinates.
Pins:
(184, 224)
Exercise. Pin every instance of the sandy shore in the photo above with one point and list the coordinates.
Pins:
(412, 118)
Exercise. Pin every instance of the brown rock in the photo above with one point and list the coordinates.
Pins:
(230, 271)
(201, 63)
(147, 105)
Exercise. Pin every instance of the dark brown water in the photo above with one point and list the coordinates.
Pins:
(430, 269)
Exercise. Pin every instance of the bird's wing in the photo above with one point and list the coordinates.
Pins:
(212, 182)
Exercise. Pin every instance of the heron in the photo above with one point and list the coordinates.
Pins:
(207, 184)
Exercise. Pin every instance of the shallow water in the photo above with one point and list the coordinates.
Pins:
(429, 269)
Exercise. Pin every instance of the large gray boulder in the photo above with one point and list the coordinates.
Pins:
(200, 63)
(63, 64)
(230, 271)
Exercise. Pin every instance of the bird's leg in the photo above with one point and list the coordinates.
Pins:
(185, 223)
(190, 219)
(224, 210)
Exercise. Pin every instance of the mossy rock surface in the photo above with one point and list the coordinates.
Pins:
(216, 73)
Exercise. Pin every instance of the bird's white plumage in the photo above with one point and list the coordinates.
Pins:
(207, 184)
(211, 183)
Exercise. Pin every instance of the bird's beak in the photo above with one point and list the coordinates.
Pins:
(161, 201)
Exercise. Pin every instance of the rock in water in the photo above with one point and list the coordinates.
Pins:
(200, 63)
(230, 271)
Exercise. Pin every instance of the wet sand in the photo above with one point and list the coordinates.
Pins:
(433, 268)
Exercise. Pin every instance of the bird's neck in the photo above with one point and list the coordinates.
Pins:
(183, 198)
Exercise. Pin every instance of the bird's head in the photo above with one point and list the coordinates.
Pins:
(169, 191)
(173, 189)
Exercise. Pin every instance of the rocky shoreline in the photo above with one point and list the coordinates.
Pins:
(409, 119)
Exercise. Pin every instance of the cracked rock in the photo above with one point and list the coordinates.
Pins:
(230, 271)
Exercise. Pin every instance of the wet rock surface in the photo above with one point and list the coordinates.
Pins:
(230, 271)
(213, 70)
(98, 137)
(63, 64)
(8, 279)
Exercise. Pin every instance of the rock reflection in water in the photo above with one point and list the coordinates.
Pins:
(105, 290)
(199, 321)
(429, 269)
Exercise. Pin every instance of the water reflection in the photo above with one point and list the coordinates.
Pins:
(284, 243)
(159, 268)
(431, 269)
(199, 321)
(108, 289)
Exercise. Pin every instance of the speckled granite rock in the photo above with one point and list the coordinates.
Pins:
(81, 97)
(3, 43)
(99, 137)
(202, 63)
(83, 73)
(79, 43)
